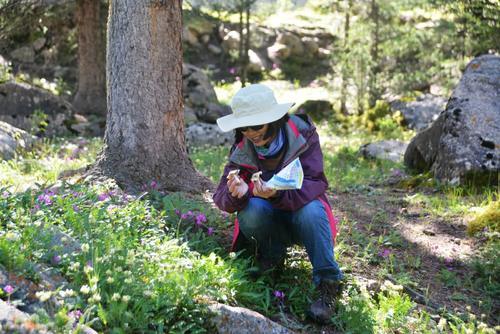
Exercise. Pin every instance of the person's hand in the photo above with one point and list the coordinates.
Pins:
(237, 187)
(262, 190)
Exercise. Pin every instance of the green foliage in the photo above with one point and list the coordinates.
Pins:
(381, 119)
(346, 169)
(393, 308)
(489, 218)
(486, 267)
(210, 161)
(356, 312)
(38, 122)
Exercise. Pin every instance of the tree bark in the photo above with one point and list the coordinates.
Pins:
(91, 95)
(374, 91)
(246, 47)
(144, 139)
(344, 72)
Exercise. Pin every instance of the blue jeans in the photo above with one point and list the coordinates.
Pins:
(273, 230)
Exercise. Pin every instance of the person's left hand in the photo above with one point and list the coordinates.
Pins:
(260, 189)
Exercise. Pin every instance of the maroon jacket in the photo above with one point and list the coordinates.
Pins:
(302, 141)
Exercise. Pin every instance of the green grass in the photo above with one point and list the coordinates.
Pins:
(46, 161)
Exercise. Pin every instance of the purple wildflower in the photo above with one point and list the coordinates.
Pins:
(279, 294)
(75, 153)
(384, 253)
(200, 219)
(5, 194)
(76, 208)
(45, 198)
(56, 259)
(184, 216)
(224, 214)
(76, 314)
(90, 264)
(210, 231)
(275, 66)
(232, 70)
(8, 289)
(397, 172)
(153, 185)
(237, 78)
(448, 262)
(177, 212)
(102, 197)
(190, 214)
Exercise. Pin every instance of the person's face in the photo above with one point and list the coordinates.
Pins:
(257, 136)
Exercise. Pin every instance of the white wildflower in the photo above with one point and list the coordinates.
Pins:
(96, 297)
(85, 289)
(43, 296)
(116, 297)
(126, 299)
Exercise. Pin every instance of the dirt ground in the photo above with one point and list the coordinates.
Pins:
(426, 244)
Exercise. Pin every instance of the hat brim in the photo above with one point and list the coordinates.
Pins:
(230, 122)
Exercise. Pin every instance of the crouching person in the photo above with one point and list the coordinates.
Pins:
(267, 139)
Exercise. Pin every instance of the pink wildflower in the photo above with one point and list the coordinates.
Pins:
(8, 289)
(56, 259)
(384, 253)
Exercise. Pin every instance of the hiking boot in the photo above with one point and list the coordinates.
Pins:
(321, 311)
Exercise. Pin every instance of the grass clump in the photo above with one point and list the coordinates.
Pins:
(489, 217)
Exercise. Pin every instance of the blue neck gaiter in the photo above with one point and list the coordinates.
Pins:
(273, 149)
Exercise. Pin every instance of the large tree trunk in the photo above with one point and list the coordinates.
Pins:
(373, 89)
(144, 139)
(91, 95)
(344, 72)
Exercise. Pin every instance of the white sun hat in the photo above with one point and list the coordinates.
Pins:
(253, 105)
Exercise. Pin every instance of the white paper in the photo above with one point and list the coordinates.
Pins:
(290, 177)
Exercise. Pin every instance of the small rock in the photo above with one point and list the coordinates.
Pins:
(429, 232)
(24, 54)
(385, 149)
(214, 49)
(39, 43)
(239, 320)
(231, 41)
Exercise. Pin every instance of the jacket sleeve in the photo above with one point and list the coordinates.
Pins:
(223, 198)
(315, 183)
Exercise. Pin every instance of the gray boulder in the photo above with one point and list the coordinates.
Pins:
(200, 97)
(231, 41)
(421, 113)
(393, 150)
(12, 139)
(196, 87)
(212, 112)
(203, 134)
(292, 41)
(24, 54)
(26, 107)
(239, 320)
(278, 52)
(462, 145)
